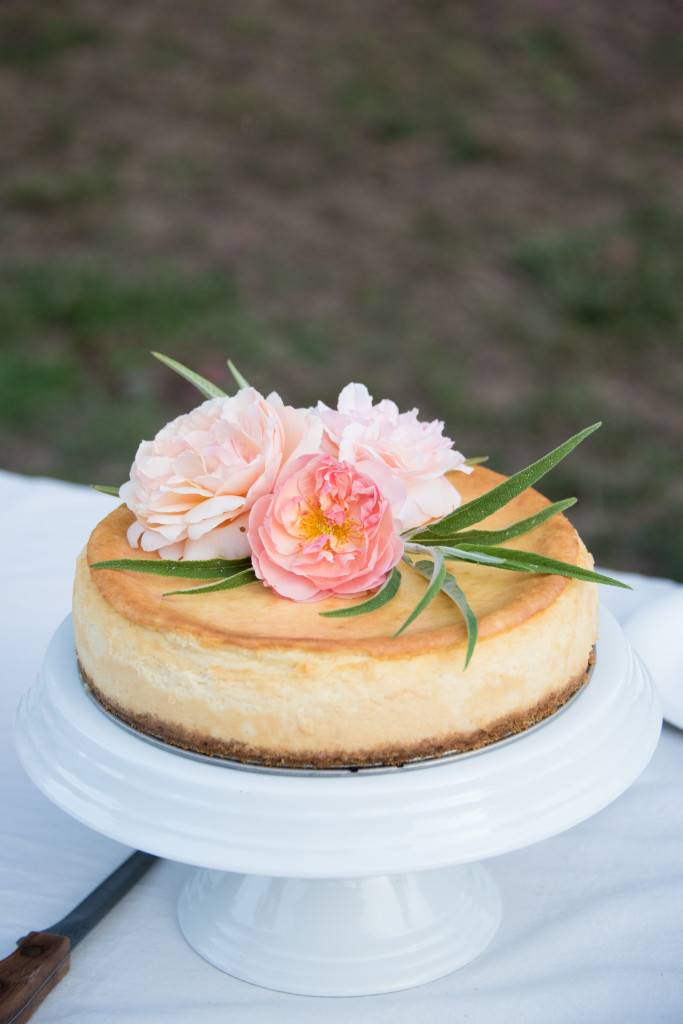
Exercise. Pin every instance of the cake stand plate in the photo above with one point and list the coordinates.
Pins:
(343, 884)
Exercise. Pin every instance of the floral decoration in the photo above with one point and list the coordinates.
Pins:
(326, 531)
(318, 503)
(192, 488)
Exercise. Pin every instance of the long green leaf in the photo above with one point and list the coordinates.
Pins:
(238, 579)
(522, 526)
(388, 590)
(208, 389)
(436, 582)
(457, 594)
(451, 588)
(105, 489)
(528, 561)
(474, 553)
(239, 379)
(204, 569)
(479, 508)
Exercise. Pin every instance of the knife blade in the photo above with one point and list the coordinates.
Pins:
(43, 958)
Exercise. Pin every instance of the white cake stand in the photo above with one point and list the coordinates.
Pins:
(349, 883)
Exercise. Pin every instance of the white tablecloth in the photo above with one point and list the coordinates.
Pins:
(592, 927)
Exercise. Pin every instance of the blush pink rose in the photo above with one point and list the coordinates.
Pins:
(193, 486)
(326, 531)
(415, 452)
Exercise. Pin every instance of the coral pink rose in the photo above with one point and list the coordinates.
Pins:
(192, 487)
(415, 452)
(327, 531)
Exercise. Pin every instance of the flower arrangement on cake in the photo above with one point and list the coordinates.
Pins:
(321, 502)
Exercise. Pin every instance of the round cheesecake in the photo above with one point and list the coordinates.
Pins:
(248, 675)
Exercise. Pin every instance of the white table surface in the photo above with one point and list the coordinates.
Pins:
(592, 926)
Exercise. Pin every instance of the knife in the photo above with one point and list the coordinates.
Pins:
(43, 958)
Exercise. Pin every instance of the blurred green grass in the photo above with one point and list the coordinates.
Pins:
(473, 209)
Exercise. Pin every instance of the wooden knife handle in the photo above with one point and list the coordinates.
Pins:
(30, 973)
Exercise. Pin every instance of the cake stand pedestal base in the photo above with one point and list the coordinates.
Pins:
(340, 936)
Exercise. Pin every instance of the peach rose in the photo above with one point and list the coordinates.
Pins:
(192, 487)
(415, 452)
(326, 531)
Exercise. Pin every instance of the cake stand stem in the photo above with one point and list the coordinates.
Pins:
(340, 936)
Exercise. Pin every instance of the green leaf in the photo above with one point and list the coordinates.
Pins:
(104, 489)
(388, 590)
(438, 575)
(239, 379)
(456, 593)
(479, 508)
(204, 569)
(472, 553)
(528, 561)
(476, 460)
(238, 579)
(508, 532)
(208, 389)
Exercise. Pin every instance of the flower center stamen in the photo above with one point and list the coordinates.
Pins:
(314, 523)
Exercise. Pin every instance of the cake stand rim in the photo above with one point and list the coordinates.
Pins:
(346, 826)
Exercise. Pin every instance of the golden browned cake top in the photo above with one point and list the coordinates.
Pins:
(253, 616)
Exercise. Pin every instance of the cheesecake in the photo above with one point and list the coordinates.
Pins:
(252, 677)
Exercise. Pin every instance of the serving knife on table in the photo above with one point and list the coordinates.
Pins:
(42, 958)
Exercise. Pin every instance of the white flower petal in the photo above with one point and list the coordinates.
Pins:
(219, 505)
(354, 399)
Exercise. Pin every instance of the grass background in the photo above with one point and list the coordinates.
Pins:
(475, 208)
